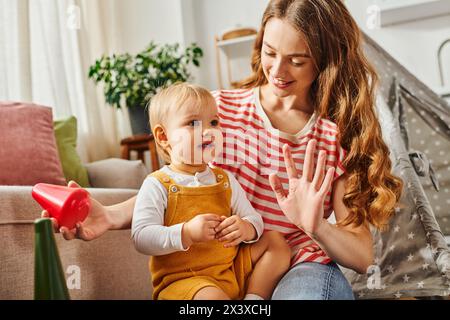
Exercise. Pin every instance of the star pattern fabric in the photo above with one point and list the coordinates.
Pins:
(412, 258)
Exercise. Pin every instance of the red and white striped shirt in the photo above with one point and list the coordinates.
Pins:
(252, 149)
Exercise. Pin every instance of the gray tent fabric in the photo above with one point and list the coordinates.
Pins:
(428, 131)
(426, 121)
(412, 258)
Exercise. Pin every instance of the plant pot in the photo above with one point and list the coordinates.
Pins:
(139, 120)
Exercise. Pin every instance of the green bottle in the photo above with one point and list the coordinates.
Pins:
(49, 279)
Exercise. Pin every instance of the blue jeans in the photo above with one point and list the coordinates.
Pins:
(313, 281)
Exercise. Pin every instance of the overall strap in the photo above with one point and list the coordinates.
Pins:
(221, 175)
(163, 178)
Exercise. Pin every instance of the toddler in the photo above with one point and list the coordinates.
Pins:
(205, 238)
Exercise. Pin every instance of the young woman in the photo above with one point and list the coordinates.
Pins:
(313, 89)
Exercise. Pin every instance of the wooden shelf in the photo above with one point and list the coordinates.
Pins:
(231, 42)
(229, 47)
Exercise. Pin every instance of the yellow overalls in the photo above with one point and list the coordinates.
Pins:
(180, 275)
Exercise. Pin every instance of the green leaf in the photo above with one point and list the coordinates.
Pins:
(198, 51)
(136, 78)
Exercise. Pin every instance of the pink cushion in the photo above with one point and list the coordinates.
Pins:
(28, 152)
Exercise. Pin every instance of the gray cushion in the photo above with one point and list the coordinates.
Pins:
(116, 173)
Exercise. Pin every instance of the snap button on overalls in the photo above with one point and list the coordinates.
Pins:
(180, 275)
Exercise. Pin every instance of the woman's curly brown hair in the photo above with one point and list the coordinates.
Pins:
(344, 92)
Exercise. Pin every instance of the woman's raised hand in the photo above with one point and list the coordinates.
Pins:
(95, 224)
(303, 205)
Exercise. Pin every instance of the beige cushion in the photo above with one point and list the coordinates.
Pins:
(116, 173)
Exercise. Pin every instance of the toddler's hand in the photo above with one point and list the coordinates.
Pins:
(201, 228)
(234, 230)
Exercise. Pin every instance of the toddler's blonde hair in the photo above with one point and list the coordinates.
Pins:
(171, 99)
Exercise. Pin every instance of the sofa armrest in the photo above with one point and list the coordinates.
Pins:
(109, 267)
(116, 173)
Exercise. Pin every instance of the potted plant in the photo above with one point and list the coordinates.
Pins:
(132, 80)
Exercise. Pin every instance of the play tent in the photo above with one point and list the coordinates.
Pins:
(412, 258)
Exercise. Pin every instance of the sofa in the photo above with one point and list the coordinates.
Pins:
(108, 267)
(37, 148)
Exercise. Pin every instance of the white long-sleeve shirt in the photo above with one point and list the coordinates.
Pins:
(148, 232)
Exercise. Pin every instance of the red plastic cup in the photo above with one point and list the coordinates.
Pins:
(67, 205)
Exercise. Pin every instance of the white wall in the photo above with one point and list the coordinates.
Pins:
(413, 44)
(141, 21)
(184, 21)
